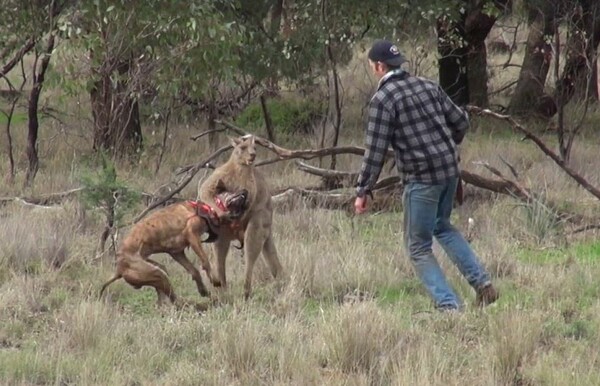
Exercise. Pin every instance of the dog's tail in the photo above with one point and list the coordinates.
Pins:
(113, 279)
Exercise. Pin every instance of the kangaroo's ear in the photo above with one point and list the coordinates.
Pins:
(234, 141)
(220, 186)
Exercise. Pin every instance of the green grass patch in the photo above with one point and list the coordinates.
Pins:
(405, 290)
(17, 118)
(588, 253)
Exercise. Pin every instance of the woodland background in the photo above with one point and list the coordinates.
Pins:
(110, 109)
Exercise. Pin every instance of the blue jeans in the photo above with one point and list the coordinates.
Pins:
(427, 210)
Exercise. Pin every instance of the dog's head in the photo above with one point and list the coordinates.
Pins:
(236, 203)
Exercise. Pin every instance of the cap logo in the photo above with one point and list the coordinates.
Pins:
(394, 50)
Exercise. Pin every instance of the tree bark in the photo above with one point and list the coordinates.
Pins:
(463, 63)
(267, 117)
(116, 114)
(453, 60)
(579, 78)
(528, 96)
(477, 27)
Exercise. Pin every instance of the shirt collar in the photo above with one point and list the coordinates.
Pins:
(388, 75)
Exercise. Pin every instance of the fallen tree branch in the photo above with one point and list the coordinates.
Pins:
(516, 188)
(51, 200)
(306, 154)
(503, 186)
(320, 199)
(543, 147)
(45, 199)
(585, 228)
(345, 179)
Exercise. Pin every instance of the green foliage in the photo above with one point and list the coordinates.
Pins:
(105, 190)
(288, 116)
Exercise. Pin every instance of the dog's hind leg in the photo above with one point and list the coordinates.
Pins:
(155, 263)
(141, 273)
(185, 263)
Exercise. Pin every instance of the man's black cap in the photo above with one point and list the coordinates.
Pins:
(386, 52)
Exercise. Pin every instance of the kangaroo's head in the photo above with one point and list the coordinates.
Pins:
(244, 150)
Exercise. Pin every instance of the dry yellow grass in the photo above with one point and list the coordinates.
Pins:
(351, 312)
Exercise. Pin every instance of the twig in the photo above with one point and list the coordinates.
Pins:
(164, 141)
(207, 132)
(510, 167)
(267, 117)
(503, 88)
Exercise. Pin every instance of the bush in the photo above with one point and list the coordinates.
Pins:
(103, 189)
(288, 116)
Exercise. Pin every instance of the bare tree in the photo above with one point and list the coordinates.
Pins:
(13, 96)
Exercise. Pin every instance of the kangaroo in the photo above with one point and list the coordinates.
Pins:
(255, 224)
(171, 230)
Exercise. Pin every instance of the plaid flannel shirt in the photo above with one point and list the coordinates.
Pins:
(422, 124)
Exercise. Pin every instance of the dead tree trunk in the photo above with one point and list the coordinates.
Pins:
(528, 96)
(32, 111)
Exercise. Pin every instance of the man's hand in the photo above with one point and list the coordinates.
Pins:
(360, 204)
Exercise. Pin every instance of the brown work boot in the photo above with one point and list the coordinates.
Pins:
(486, 295)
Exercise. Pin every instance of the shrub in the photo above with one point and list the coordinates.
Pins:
(288, 116)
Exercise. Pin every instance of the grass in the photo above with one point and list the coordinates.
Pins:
(350, 311)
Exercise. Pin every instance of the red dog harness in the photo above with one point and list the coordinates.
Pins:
(205, 210)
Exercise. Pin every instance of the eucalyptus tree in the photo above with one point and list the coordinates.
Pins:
(145, 50)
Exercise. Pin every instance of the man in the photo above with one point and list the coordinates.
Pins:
(424, 127)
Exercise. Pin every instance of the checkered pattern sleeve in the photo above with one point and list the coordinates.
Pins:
(378, 138)
(456, 118)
